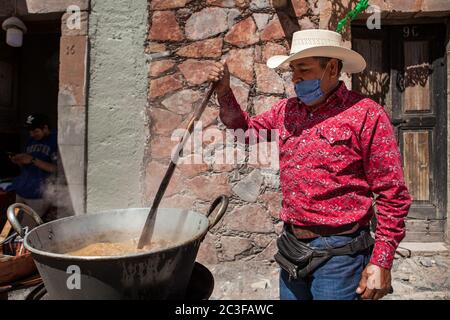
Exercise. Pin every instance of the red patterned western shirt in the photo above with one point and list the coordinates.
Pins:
(333, 161)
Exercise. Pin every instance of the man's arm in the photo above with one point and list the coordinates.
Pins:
(46, 166)
(384, 172)
(26, 159)
(231, 113)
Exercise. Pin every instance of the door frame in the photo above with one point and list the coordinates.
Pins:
(441, 222)
(73, 79)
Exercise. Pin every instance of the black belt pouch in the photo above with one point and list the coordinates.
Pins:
(296, 257)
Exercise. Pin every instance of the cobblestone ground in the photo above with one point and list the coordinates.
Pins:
(414, 278)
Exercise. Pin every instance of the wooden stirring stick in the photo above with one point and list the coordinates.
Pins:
(147, 232)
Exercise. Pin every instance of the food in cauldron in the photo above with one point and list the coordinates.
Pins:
(105, 249)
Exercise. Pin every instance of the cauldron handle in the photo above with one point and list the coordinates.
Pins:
(13, 219)
(223, 199)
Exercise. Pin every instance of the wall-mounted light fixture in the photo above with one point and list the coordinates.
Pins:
(15, 29)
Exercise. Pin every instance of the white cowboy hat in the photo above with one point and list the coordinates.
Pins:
(320, 43)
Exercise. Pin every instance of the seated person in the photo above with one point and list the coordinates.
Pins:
(37, 163)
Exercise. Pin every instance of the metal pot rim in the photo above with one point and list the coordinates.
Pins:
(62, 256)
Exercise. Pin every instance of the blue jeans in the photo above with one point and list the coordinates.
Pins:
(336, 279)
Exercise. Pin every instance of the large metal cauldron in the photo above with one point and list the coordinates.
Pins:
(159, 274)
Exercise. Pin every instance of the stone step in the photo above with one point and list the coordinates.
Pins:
(409, 249)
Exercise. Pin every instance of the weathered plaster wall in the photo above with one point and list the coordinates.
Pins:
(117, 99)
(72, 114)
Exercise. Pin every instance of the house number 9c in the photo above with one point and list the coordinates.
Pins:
(70, 50)
(410, 32)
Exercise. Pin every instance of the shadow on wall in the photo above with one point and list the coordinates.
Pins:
(286, 14)
(288, 20)
(338, 12)
(374, 84)
(7, 7)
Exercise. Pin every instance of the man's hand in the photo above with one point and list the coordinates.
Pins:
(219, 73)
(22, 159)
(375, 283)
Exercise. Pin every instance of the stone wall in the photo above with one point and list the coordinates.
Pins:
(185, 37)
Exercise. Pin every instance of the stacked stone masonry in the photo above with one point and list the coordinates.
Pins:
(184, 39)
(181, 46)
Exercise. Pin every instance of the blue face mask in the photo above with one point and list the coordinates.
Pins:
(309, 91)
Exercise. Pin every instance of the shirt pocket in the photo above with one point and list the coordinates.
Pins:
(335, 136)
(285, 134)
(334, 148)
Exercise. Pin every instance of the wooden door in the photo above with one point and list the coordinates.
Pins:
(9, 112)
(407, 74)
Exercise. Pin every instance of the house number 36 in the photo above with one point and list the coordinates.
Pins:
(70, 50)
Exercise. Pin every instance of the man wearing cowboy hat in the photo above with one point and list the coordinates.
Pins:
(337, 150)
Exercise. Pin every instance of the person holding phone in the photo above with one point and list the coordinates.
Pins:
(37, 164)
